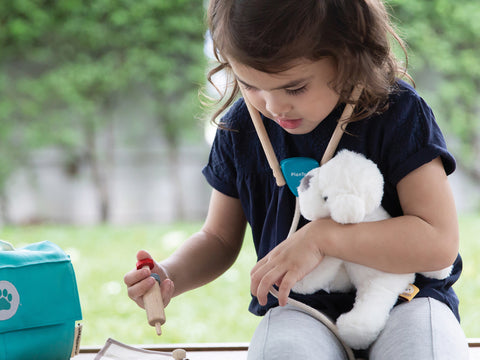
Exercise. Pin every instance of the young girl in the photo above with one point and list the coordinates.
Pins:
(297, 63)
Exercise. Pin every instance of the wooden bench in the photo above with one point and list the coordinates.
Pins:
(204, 351)
(227, 351)
(474, 345)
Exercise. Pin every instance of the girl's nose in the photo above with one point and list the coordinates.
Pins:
(277, 106)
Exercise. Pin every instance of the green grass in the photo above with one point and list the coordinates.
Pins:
(468, 286)
(102, 255)
(217, 312)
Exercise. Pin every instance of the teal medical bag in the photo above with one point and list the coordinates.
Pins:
(39, 303)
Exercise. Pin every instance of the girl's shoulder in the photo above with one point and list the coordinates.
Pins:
(236, 117)
(406, 112)
(236, 134)
(404, 99)
(405, 87)
(403, 95)
(406, 135)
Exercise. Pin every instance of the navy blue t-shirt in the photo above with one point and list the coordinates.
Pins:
(400, 140)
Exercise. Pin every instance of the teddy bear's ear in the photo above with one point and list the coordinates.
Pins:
(305, 182)
(310, 197)
(346, 208)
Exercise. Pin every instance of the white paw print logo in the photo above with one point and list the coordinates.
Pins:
(9, 300)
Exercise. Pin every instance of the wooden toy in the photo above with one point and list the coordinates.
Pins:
(114, 349)
(265, 141)
(179, 354)
(153, 299)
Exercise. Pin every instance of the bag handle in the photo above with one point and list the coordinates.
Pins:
(6, 246)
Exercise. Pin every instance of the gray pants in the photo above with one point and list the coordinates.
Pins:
(423, 329)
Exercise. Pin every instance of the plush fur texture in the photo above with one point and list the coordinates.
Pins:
(349, 189)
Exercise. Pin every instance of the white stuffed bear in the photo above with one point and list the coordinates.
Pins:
(349, 189)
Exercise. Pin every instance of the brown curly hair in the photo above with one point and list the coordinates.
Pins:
(269, 35)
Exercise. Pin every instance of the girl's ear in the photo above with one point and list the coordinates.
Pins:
(346, 208)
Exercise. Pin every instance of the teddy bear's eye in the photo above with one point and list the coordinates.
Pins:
(325, 198)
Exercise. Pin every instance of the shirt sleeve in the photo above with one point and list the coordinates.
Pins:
(415, 140)
(220, 171)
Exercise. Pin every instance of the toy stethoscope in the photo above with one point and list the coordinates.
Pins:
(299, 167)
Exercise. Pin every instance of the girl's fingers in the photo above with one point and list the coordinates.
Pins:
(263, 279)
(256, 276)
(139, 281)
(282, 278)
(134, 276)
(258, 272)
(285, 286)
(286, 264)
(142, 254)
(167, 288)
(137, 289)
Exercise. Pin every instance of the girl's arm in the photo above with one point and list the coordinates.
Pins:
(202, 258)
(211, 251)
(425, 238)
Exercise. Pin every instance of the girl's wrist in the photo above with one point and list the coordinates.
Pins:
(164, 272)
(324, 233)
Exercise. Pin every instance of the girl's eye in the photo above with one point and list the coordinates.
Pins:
(248, 87)
(296, 91)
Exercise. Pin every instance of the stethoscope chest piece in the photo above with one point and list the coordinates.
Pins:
(294, 169)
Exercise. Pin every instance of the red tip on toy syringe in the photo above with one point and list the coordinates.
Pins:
(153, 299)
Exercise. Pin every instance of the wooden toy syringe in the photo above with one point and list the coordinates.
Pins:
(153, 299)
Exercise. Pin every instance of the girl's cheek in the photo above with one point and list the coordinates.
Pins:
(258, 102)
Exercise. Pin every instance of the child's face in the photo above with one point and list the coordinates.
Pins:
(297, 99)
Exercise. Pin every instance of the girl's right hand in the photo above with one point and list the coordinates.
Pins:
(139, 282)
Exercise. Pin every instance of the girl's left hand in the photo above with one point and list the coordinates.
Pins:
(286, 264)
(139, 282)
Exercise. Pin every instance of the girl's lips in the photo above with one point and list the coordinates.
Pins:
(289, 123)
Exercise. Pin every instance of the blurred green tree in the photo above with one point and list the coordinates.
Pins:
(443, 37)
(66, 65)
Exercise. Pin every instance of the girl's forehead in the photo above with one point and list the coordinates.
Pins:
(293, 66)
(299, 72)
(250, 76)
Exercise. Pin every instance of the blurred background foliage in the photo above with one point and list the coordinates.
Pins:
(66, 66)
(443, 41)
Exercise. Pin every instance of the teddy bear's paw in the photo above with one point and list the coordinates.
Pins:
(440, 274)
(312, 282)
(324, 277)
(357, 332)
(304, 288)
